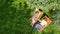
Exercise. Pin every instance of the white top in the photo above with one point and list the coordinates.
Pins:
(43, 23)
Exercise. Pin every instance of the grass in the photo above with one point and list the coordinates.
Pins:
(15, 20)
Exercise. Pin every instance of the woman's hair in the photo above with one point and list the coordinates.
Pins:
(40, 10)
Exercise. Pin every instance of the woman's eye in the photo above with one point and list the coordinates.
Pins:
(37, 11)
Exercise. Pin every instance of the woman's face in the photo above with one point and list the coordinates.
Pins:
(37, 11)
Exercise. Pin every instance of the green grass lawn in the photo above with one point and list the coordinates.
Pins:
(14, 19)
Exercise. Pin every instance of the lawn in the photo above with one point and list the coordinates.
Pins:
(15, 14)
